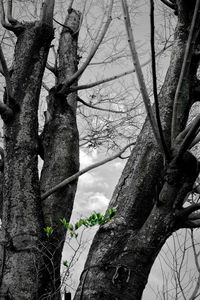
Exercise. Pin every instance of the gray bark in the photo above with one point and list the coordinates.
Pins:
(124, 250)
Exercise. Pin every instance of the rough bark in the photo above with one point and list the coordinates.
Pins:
(60, 141)
(123, 251)
(22, 218)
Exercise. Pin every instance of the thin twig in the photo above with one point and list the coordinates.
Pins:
(45, 86)
(50, 68)
(66, 85)
(93, 84)
(139, 73)
(184, 70)
(83, 171)
(102, 109)
(164, 146)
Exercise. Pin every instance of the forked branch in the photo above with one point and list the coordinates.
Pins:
(140, 74)
(93, 84)
(11, 20)
(94, 49)
(184, 71)
(13, 24)
(164, 146)
(103, 109)
(83, 171)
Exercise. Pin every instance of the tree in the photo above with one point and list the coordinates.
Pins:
(148, 209)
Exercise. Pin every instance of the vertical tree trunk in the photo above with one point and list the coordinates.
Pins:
(22, 212)
(60, 141)
(124, 250)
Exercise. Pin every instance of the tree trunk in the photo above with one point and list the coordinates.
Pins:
(30, 260)
(124, 250)
(60, 141)
(22, 220)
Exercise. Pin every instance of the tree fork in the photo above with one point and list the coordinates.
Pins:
(60, 140)
(22, 220)
(138, 220)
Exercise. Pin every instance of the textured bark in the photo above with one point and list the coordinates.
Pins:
(123, 251)
(22, 218)
(61, 155)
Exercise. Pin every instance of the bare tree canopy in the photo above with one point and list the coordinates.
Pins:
(67, 69)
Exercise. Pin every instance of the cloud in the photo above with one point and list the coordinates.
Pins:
(87, 159)
(97, 202)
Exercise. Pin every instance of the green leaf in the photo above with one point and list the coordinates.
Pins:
(65, 263)
(48, 230)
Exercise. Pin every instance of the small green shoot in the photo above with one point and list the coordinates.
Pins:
(48, 230)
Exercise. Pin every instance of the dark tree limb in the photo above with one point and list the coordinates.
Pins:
(83, 171)
(103, 109)
(162, 139)
(46, 16)
(189, 137)
(65, 87)
(169, 4)
(12, 25)
(11, 20)
(1, 180)
(52, 69)
(6, 74)
(184, 70)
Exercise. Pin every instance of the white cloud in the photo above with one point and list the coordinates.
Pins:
(97, 201)
(87, 159)
(87, 179)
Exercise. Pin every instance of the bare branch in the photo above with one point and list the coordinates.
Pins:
(191, 224)
(47, 9)
(169, 4)
(66, 85)
(190, 136)
(45, 86)
(9, 14)
(1, 69)
(2, 13)
(103, 109)
(6, 73)
(93, 84)
(184, 70)
(164, 146)
(5, 111)
(83, 171)
(140, 74)
(194, 216)
(70, 5)
(16, 26)
(185, 212)
(195, 141)
(50, 68)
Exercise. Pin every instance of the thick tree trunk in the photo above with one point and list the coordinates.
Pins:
(60, 141)
(124, 250)
(22, 222)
